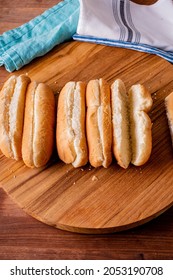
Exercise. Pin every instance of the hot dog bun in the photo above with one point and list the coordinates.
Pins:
(12, 102)
(140, 103)
(70, 131)
(169, 112)
(39, 121)
(98, 123)
(120, 123)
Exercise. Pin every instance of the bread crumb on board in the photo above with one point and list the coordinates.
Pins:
(94, 178)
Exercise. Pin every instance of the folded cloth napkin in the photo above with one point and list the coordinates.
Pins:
(123, 23)
(35, 38)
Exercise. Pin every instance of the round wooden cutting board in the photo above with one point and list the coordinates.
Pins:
(90, 200)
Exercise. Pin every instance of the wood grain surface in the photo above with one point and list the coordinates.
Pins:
(160, 84)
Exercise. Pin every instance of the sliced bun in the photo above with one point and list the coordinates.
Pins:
(169, 112)
(12, 102)
(39, 121)
(120, 122)
(140, 103)
(98, 123)
(70, 131)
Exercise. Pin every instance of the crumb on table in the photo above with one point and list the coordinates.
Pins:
(94, 178)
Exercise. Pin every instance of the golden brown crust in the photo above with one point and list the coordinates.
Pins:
(27, 140)
(106, 122)
(17, 115)
(70, 130)
(12, 100)
(169, 112)
(39, 121)
(92, 129)
(44, 124)
(98, 123)
(93, 138)
(140, 124)
(82, 154)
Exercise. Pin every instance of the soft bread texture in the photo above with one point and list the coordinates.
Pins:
(12, 102)
(169, 112)
(98, 123)
(140, 103)
(39, 122)
(120, 123)
(70, 131)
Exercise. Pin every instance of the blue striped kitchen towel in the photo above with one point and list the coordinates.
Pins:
(125, 24)
(35, 38)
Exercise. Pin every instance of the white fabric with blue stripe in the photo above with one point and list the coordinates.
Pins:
(122, 23)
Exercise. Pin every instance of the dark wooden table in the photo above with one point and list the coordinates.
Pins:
(23, 237)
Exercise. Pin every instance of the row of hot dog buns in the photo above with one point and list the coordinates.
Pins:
(93, 122)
